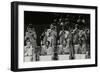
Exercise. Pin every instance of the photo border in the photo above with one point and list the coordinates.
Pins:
(14, 35)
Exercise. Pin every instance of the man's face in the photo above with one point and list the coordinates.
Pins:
(28, 43)
(29, 30)
(47, 43)
(87, 31)
(76, 26)
(61, 24)
(51, 26)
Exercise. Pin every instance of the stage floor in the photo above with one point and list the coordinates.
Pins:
(49, 57)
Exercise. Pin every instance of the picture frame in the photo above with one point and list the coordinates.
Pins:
(25, 15)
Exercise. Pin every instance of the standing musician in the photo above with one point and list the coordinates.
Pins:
(76, 39)
(31, 34)
(71, 45)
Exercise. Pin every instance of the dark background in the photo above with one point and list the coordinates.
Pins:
(42, 21)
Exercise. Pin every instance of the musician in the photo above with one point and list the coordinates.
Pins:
(52, 35)
(76, 39)
(28, 48)
(49, 50)
(29, 51)
(31, 34)
(62, 34)
(71, 45)
(87, 32)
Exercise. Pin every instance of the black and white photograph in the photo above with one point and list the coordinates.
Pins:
(53, 36)
(56, 36)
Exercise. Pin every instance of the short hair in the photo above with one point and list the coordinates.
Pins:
(76, 25)
(27, 40)
(48, 42)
